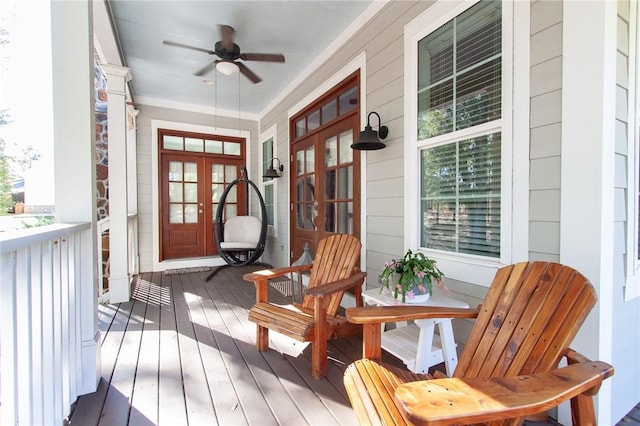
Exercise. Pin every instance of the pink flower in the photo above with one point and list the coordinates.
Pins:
(442, 285)
(410, 294)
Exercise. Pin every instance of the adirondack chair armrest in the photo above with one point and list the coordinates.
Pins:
(260, 278)
(267, 274)
(328, 289)
(380, 314)
(574, 357)
(476, 400)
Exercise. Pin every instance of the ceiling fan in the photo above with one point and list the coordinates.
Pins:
(229, 52)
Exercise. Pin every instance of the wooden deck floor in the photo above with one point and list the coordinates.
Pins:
(182, 352)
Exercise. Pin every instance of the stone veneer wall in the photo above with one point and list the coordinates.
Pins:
(102, 166)
(102, 159)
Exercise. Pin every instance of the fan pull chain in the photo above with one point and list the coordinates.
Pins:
(215, 99)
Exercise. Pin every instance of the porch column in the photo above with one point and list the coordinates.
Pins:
(588, 166)
(119, 278)
(75, 161)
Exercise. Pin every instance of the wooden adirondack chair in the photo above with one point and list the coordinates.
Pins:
(508, 367)
(316, 319)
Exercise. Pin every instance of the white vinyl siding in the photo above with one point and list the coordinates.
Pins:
(546, 130)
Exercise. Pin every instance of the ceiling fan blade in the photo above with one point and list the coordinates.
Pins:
(265, 57)
(248, 73)
(206, 69)
(226, 32)
(198, 49)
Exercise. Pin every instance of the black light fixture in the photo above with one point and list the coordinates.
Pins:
(369, 139)
(272, 172)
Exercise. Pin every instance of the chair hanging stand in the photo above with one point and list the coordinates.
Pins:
(241, 239)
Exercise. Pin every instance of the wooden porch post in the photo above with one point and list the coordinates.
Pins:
(119, 278)
(74, 161)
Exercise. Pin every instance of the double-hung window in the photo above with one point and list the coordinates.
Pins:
(455, 91)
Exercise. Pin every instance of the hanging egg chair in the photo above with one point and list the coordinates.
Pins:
(240, 239)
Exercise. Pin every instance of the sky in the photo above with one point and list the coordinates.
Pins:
(25, 91)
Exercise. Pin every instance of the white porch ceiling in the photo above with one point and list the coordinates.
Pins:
(301, 30)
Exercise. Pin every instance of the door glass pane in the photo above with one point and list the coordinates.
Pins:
(216, 192)
(232, 195)
(330, 217)
(175, 192)
(175, 171)
(299, 162)
(192, 144)
(232, 148)
(191, 192)
(348, 100)
(230, 173)
(345, 181)
(175, 213)
(190, 172)
(217, 173)
(230, 210)
(330, 184)
(172, 142)
(346, 153)
(213, 147)
(300, 127)
(190, 213)
(214, 211)
(331, 151)
(329, 111)
(345, 218)
(310, 160)
(313, 120)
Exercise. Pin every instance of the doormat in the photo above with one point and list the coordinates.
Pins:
(283, 285)
(187, 270)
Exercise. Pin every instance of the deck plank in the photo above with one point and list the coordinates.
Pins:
(144, 400)
(197, 396)
(117, 403)
(171, 401)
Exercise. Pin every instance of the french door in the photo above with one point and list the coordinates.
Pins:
(325, 189)
(191, 186)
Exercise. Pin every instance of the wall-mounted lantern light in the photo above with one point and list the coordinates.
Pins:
(272, 172)
(369, 139)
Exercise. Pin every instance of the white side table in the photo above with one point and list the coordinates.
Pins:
(416, 344)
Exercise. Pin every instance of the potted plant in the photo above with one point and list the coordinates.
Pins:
(412, 276)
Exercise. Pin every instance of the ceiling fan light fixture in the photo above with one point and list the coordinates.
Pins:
(226, 67)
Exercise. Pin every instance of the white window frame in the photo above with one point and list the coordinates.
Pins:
(632, 284)
(515, 167)
(270, 133)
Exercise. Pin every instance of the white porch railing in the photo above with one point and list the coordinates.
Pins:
(48, 330)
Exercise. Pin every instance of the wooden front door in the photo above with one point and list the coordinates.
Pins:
(191, 184)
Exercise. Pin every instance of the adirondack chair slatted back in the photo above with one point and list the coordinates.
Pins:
(530, 315)
(336, 258)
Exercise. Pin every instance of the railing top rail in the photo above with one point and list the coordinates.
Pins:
(19, 239)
